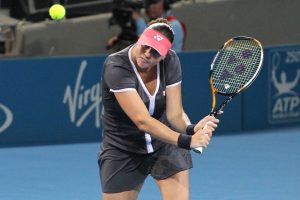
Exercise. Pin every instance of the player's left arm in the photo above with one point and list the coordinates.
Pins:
(176, 115)
(174, 109)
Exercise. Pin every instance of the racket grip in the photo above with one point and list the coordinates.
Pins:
(200, 149)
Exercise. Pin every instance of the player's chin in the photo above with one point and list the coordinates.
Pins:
(143, 64)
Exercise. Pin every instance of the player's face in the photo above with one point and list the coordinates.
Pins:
(147, 56)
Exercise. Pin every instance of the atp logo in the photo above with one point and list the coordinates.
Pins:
(158, 37)
(284, 89)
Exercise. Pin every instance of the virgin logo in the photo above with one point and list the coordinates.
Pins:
(8, 117)
(83, 102)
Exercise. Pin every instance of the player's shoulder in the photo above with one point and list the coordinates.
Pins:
(119, 58)
(171, 57)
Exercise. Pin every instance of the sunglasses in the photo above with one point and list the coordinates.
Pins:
(152, 51)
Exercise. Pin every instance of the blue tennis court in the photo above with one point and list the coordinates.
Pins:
(254, 165)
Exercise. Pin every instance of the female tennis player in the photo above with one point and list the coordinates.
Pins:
(146, 130)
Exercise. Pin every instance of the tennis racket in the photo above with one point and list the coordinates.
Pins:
(234, 68)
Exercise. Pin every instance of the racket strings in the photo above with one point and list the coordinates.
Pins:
(235, 65)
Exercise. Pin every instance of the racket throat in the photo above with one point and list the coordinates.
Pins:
(220, 108)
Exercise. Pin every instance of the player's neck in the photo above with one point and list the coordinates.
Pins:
(146, 70)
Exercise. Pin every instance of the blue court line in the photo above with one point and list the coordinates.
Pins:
(261, 165)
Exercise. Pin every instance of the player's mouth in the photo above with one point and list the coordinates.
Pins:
(144, 60)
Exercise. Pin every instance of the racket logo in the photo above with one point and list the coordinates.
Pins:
(247, 53)
(226, 75)
(158, 37)
(240, 69)
(232, 59)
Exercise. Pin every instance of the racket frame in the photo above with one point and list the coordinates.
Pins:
(231, 95)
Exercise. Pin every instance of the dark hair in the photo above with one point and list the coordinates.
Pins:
(163, 26)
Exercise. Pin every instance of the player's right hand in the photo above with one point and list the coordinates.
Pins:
(209, 121)
(201, 138)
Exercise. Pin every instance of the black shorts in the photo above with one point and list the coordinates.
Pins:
(122, 171)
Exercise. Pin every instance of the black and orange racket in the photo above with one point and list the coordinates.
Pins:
(234, 68)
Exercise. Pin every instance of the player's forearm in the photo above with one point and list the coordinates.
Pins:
(158, 130)
(179, 121)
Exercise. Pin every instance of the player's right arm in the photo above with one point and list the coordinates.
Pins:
(136, 110)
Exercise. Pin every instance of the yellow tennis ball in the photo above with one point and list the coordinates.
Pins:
(57, 12)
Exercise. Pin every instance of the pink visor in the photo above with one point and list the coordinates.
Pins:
(156, 40)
